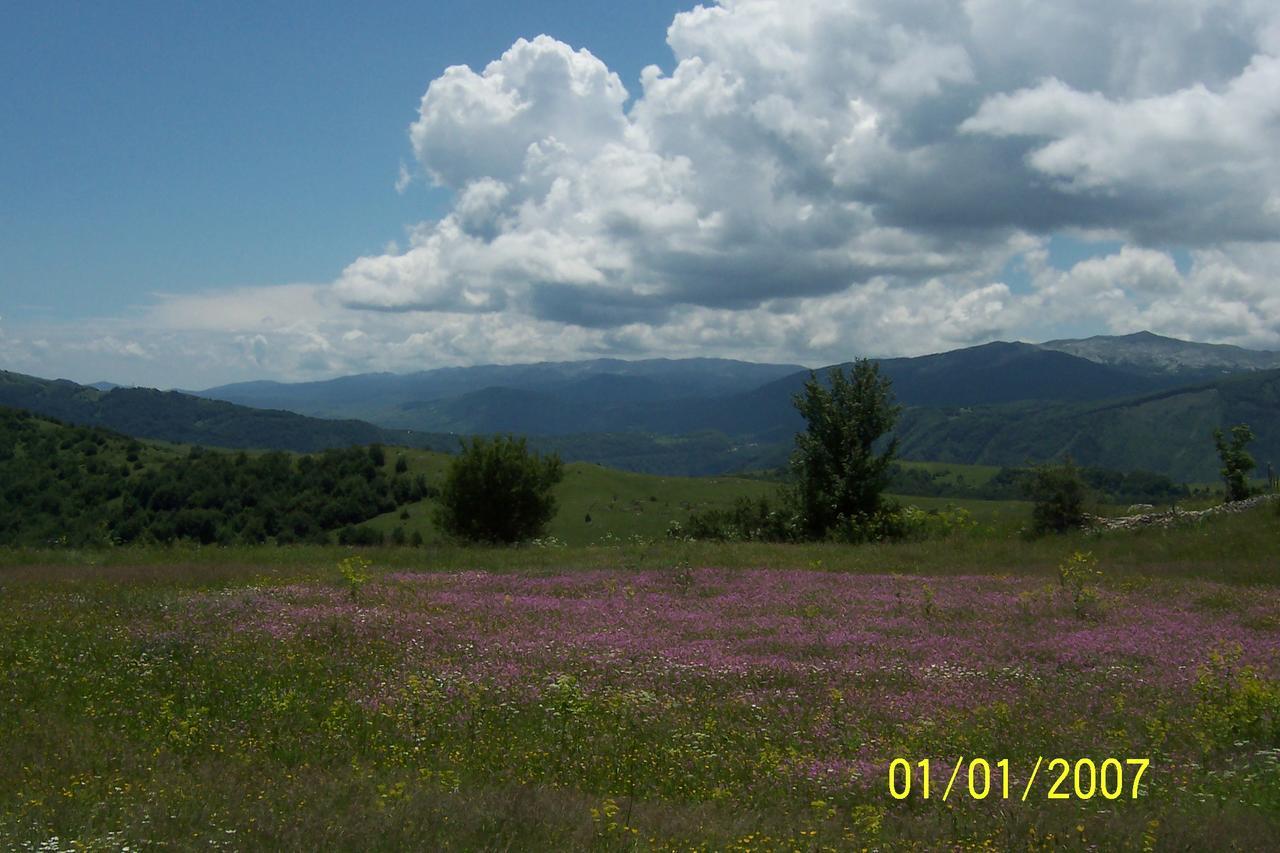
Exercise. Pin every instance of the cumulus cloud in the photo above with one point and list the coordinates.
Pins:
(1201, 164)
(804, 154)
(813, 180)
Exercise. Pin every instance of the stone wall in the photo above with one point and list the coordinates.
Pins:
(1174, 516)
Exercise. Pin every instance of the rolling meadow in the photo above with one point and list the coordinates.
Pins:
(643, 693)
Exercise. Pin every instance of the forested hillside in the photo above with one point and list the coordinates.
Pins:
(1169, 432)
(80, 485)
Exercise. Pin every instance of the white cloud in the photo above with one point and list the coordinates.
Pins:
(1211, 155)
(1228, 295)
(482, 125)
(801, 150)
(814, 179)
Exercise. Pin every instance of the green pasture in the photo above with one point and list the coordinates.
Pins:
(262, 698)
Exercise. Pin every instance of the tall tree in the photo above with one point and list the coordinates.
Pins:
(1236, 461)
(839, 475)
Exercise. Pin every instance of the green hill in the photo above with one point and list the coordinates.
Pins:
(595, 505)
(1168, 432)
(184, 419)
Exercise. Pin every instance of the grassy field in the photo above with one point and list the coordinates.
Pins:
(596, 505)
(600, 506)
(644, 695)
(954, 473)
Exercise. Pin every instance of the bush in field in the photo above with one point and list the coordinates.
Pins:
(497, 491)
(1236, 461)
(1236, 703)
(1059, 494)
(355, 573)
(839, 478)
(748, 521)
(1076, 575)
(922, 524)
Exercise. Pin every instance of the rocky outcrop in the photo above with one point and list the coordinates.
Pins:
(1174, 516)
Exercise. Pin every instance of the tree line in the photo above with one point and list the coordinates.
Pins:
(83, 485)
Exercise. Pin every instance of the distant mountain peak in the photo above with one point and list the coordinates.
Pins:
(1149, 352)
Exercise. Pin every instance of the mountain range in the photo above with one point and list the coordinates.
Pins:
(1132, 402)
(183, 418)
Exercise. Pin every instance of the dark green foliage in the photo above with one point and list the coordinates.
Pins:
(748, 520)
(1133, 486)
(1059, 494)
(1236, 461)
(362, 535)
(497, 491)
(68, 485)
(839, 476)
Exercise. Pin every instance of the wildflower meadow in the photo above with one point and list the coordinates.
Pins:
(644, 699)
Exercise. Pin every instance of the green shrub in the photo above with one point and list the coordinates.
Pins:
(497, 491)
(1059, 494)
(886, 524)
(355, 573)
(1076, 575)
(748, 521)
(1235, 703)
(920, 525)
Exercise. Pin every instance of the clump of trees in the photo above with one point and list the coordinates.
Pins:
(748, 520)
(57, 481)
(238, 498)
(497, 491)
(80, 486)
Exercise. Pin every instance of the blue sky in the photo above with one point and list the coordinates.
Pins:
(179, 146)
(200, 193)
